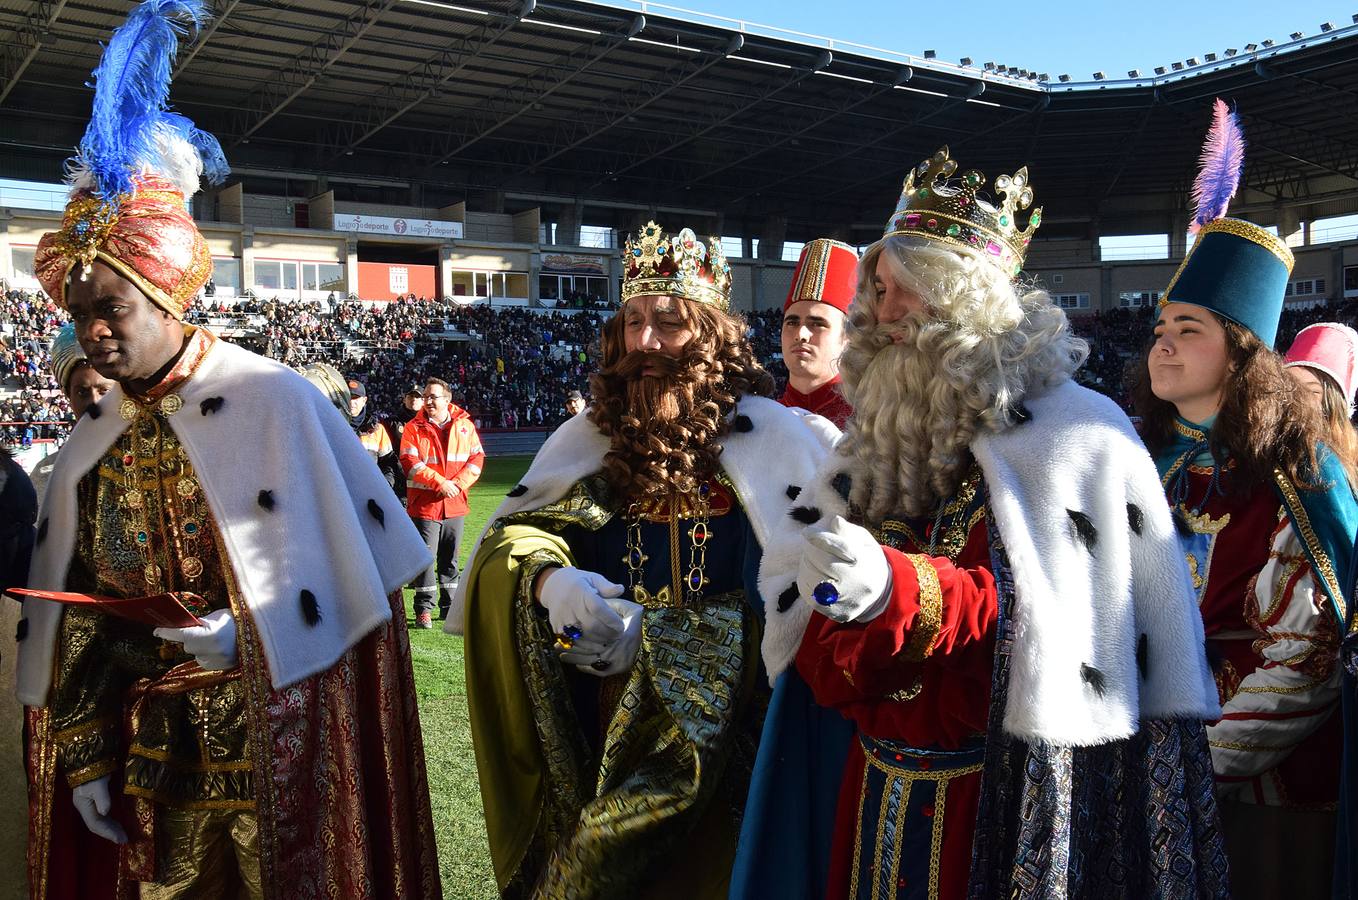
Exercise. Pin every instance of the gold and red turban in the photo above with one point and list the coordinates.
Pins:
(148, 237)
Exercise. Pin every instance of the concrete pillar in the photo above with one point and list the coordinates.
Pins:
(568, 225)
(534, 270)
(615, 273)
(231, 204)
(321, 211)
(1289, 225)
(351, 266)
(6, 252)
(1178, 236)
(446, 269)
(247, 259)
(772, 236)
(1095, 252)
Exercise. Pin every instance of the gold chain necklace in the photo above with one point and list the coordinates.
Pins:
(636, 557)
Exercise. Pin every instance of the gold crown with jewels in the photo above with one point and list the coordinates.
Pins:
(682, 265)
(952, 212)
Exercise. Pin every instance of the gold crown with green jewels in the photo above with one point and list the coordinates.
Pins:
(952, 212)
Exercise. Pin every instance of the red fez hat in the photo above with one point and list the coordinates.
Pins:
(825, 274)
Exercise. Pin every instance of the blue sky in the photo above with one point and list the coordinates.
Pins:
(1054, 37)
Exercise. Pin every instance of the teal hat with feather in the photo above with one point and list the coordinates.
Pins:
(1235, 268)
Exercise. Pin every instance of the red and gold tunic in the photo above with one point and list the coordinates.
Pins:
(916, 682)
(1272, 640)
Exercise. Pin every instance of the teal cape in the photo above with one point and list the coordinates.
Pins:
(789, 825)
(1326, 520)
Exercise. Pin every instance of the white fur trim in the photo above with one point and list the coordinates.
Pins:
(274, 431)
(783, 447)
(1073, 606)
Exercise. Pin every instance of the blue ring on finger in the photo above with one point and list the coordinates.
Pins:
(825, 593)
(572, 633)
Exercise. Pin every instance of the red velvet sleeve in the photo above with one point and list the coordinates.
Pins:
(920, 670)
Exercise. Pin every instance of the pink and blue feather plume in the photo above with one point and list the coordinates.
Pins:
(1219, 167)
(132, 129)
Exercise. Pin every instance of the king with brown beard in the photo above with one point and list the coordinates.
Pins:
(611, 609)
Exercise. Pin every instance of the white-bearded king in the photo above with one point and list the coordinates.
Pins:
(985, 581)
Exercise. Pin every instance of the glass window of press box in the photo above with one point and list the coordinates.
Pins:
(293, 279)
(22, 260)
(491, 285)
(225, 277)
(578, 291)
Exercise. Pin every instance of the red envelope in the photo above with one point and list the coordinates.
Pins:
(157, 610)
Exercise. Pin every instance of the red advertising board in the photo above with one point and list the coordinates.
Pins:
(387, 281)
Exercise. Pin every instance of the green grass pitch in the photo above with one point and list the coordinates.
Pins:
(464, 861)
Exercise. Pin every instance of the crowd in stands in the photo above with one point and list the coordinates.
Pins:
(510, 368)
(31, 406)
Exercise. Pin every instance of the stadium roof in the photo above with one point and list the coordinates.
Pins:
(424, 102)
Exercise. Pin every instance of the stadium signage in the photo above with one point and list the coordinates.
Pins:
(572, 264)
(432, 228)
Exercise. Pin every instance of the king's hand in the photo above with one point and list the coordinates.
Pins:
(843, 573)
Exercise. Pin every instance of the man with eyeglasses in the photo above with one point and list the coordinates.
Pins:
(442, 458)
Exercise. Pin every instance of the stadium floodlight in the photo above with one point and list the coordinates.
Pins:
(1098, 76)
(1355, 18)
(1063, 78)
(1133, 73)
(1044, 77)
(1231, 51)
(1210, 57)
(989, 67)
(966, 60)
(1250, 48)
(1159, 70)
(1192, 61)
(1327, 26)
(1297, 35)
(1178, 66)
(930, 54)
(1268, 42)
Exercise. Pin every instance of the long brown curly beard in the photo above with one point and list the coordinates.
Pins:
(665, 429)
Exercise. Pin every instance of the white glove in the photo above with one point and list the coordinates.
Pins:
(213, 643)
(609, 658)
(93, 802)
(575, 598)
(849, 560)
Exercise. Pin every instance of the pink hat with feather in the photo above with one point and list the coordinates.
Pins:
(1331, 348)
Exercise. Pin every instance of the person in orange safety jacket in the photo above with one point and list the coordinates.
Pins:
(442, 457)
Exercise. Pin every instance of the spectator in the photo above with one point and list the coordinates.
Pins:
(442, 457)
(575, 403)
(374, 437)
(81, 384)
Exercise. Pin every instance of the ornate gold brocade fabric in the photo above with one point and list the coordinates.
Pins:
(668, 757)
(145, 528)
